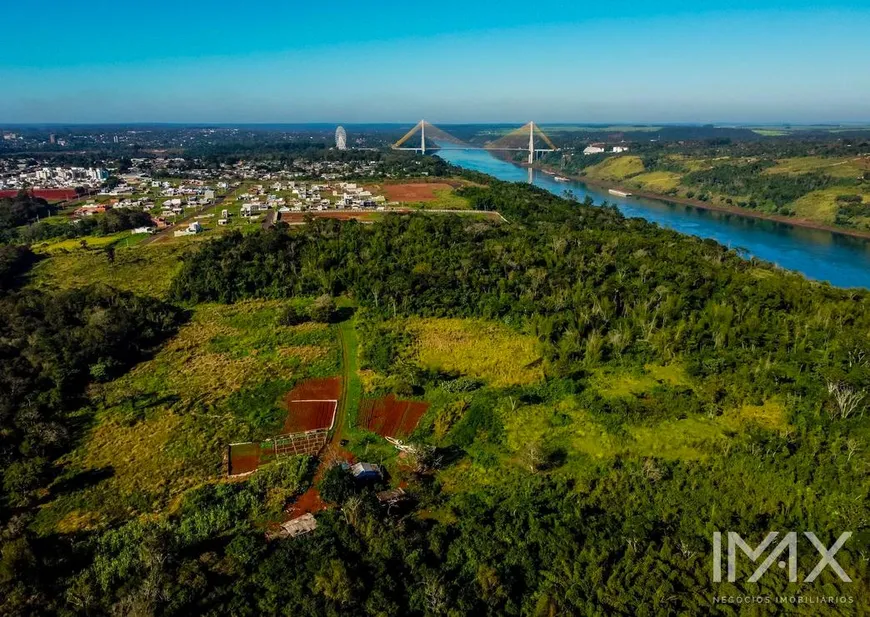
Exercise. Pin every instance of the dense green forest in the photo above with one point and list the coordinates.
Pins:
(540, 530)
(21, 210)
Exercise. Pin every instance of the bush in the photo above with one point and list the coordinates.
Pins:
(292, 316)
(322, 309)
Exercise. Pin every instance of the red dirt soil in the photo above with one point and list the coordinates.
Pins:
(312, 404)
(308, 415)
(46, 194)
(309, 502)
(414, 192)
(319, 389)
(389, 417)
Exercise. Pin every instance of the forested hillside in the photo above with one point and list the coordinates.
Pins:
(603, 395)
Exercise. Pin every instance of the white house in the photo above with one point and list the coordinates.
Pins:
(192, 229)
(593, 149)
(618, 149)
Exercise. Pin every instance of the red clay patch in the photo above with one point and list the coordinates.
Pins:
(414, 192)
(46, 194)
(309, 502)
(244, 458)
(312, 404)
(389, 417)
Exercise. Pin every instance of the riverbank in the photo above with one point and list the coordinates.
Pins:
(703, 205)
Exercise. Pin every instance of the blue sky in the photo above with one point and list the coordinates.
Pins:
(451, 61)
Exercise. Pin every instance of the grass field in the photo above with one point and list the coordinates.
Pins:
(563, 428)
(616, 168)
(83, 243)
(822, 205)
(657, 181)
(836, 167)
(162, 428)
(146, 270)
(485, 350)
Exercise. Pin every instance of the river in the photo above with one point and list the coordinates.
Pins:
(843, 261)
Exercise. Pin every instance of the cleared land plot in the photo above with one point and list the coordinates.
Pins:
(309, 415)
(292, 218)
(657, 181)
(311, 405)
(390, 417)
(49, 195)
(415, 191)
(822, 205)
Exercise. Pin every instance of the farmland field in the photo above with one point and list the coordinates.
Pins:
(312, 405)
(295, 218)
(390, 417)
(838, 167)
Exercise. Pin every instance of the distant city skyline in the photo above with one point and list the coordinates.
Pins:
(197, 62)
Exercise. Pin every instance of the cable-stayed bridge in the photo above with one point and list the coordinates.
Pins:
(518, 140)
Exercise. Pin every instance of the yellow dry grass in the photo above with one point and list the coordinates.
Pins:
(769, 415)
(838, 167)
(477, 348)
(616, 168)
(657, 181)
(305, 353)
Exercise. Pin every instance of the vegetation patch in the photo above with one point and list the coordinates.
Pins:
(163, 427)
(827, 206)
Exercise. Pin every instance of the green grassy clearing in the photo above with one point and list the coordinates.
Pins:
(146, 270)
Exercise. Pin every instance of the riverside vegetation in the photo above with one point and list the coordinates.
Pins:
(655, 388)
(822, 181)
